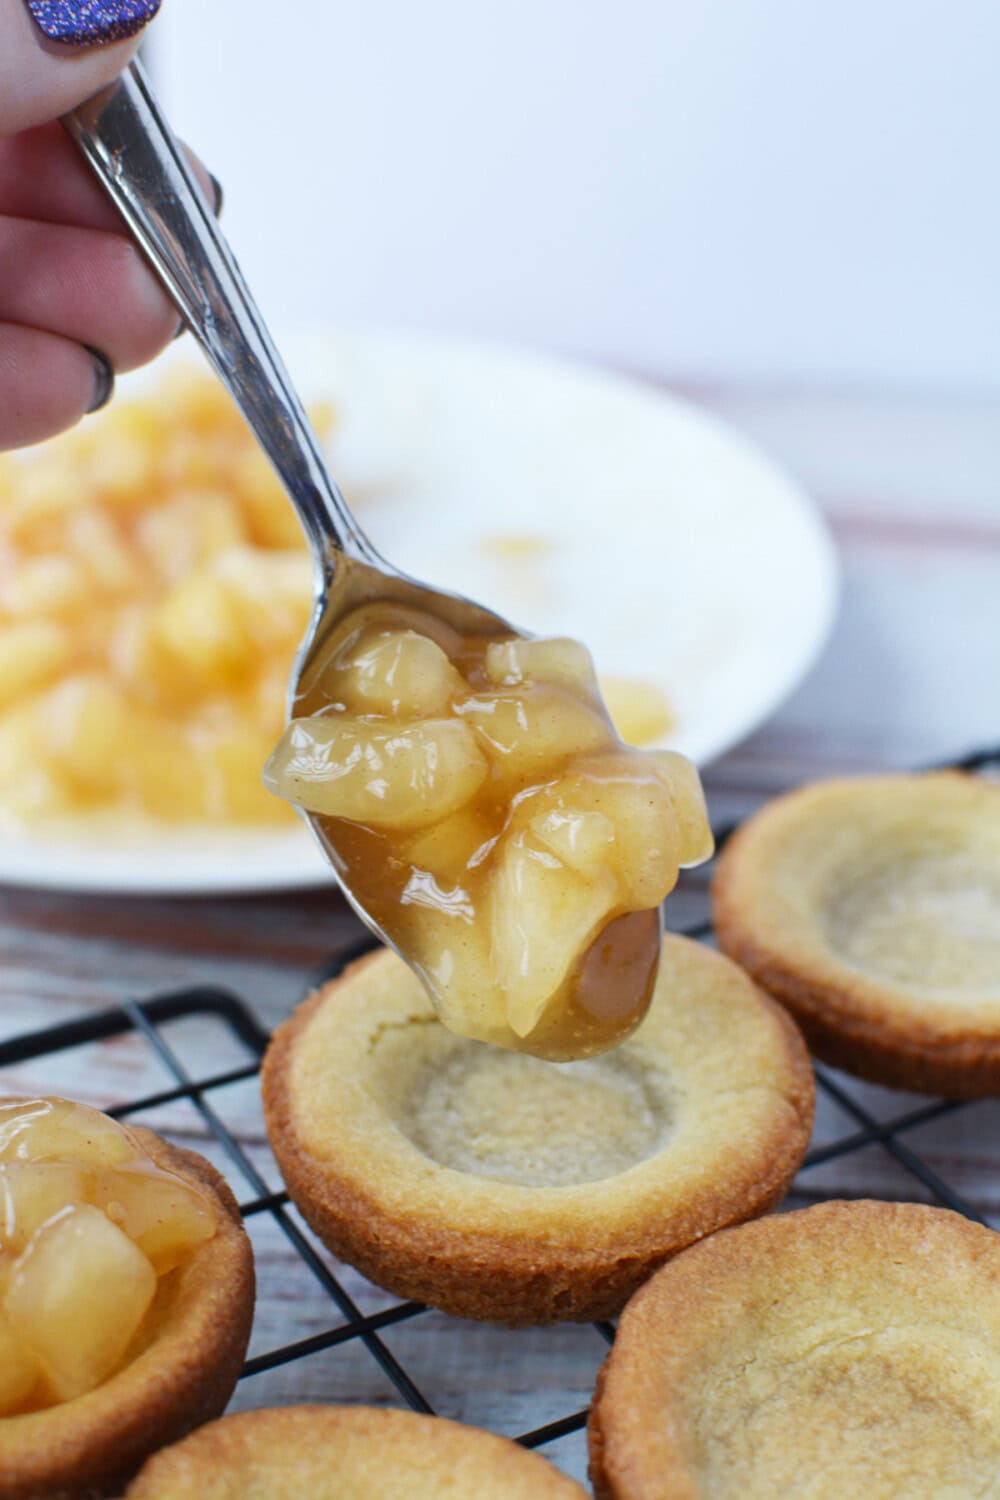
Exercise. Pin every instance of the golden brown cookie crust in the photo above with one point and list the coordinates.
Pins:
(845, 1349)
(725, 1109)
(184, 1372)
(329, 1452)
(813, 891)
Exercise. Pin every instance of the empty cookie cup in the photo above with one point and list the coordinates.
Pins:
(126, 1298)
(498, 1186)
(847, 1349)
(871, 909)
(331, 1452)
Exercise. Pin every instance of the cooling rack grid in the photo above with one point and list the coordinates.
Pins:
(357, 1316)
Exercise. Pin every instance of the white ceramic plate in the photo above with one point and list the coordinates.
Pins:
(664, 540)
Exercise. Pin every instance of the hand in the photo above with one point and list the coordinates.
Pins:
(77, 301)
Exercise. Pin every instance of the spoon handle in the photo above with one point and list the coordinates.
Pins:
(125, 138)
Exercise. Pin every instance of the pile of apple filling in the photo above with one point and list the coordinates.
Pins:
(89, 1225)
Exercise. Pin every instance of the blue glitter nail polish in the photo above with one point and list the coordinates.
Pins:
(88, 23)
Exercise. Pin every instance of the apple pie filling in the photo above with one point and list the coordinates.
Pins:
(89, 1225)
(474, 796)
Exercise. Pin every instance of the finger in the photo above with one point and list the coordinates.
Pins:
(43, 176)
(87, 285)
(47, 384)
(41, 79)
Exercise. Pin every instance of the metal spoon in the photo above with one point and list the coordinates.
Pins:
(125, 138)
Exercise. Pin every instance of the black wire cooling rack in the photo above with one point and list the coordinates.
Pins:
(147, 1022)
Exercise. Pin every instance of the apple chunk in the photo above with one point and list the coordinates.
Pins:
(452, 958)
(40, 1130)
(401, 776)
(583, 840)
(612, 814)
(628, 792)
(161, 1214)
(394, 672)
(31, 1193)
(447, 847)
(531, 731)
(77, 1297)
(552, 659)
(543, 915)
(682, 781)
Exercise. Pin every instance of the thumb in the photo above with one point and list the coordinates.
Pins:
(56, 53)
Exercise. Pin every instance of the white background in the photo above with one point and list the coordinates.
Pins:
(780, 190)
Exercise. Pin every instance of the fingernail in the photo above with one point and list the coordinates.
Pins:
(104, 379)
(219, 194)
(89, 23)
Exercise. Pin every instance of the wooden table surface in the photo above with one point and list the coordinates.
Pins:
(911, 675)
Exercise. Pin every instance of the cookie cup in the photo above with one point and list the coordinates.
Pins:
(871, 909)
(845, 1349)
(329, 1452)
(498, 1186)
(180, 1371)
